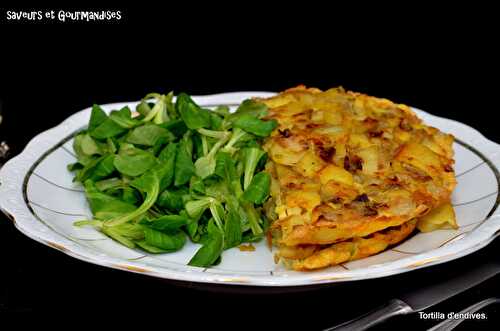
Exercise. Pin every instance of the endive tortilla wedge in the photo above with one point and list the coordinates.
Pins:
(344, 166)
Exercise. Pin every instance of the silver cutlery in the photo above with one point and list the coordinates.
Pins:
(422, 298)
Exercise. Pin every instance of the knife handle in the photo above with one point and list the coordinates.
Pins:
(390, 309)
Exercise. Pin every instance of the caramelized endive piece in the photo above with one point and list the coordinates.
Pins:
(441, 217)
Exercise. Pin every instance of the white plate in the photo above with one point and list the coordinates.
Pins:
(38, 194)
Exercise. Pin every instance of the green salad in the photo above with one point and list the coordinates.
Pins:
(176, 171)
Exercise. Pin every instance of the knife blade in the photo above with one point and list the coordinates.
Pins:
(422, 298)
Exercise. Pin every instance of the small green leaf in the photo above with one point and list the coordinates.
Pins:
(148, 135)
(251, 157)
(205, 166)
(168, 223)
(210, 251)
(97, 117)
(227, 170)
(103, 206)
(151, 249)
(130, 230)
(151, 188)
(166, 168)
(191, 113)
(254, 125)
(169, 242)
(111, 147)
(253, 218)
(133, 161)
(75, 166)
(196, 186)
(88, 145)
(104, 168)
(130, 195)
(222, 110)
(108, 128)
(258, 191)
(114, 234)
(252, 108)
(232, 230)
(143, 108)
(109, 183)
(172, 199)
(195, 208)
(123, 118)
(81, 154)
(97, 169)
(177, 127)
(184, 167)
(238, 136)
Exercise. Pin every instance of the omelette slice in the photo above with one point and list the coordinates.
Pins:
(345, 166)
(316, 257)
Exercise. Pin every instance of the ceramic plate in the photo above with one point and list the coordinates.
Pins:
(38, 195)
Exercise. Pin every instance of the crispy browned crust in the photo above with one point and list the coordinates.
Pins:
(349, 250)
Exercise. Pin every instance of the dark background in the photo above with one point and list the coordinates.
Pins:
(443, 61)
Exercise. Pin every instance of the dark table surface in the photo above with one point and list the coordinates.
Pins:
(51, 71)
